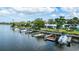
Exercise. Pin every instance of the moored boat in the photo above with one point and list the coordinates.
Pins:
(50, 37)
(22, 29)
(15, 29)
(64, 40)
(40, 35)
(28, 32)
(75, 40)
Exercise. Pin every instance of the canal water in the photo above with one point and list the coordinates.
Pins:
(15, 41)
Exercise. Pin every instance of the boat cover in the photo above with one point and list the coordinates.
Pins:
(63, 39)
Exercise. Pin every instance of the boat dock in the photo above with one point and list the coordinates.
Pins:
(75, 36)
(70, 35)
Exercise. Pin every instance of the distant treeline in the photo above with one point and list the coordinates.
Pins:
(5, 23)
(40, 23)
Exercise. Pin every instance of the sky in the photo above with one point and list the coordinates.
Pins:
(7, 14)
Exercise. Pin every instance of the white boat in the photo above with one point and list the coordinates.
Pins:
(15, 29)
(38, 35)
(64, 39)
(23, 30)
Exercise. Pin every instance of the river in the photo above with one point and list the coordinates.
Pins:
(14, 41)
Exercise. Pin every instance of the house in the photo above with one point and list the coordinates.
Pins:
(50, 26)
(69, 26)
(77, 27)
(66, 26)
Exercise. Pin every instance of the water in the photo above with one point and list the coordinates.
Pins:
(14, 41)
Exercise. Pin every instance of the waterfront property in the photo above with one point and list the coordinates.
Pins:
(38, 29)
(77, 26)
(69, 26)
(51, 26)
(65, 26)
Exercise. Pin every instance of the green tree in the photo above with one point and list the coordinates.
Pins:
(38, 23)
(74, 21)
(28, 24)
(13, 25)
(22, 23)
(60, 21)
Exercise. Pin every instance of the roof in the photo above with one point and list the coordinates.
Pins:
(50, 25)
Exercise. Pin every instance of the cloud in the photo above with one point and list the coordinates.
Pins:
(22, 11)
(34, 10)
(39, 12)
(72, 11)
(4, 11)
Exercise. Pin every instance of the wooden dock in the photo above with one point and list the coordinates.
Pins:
(74, 36)
(70, 35)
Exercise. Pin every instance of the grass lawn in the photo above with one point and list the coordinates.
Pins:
(61, 30)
